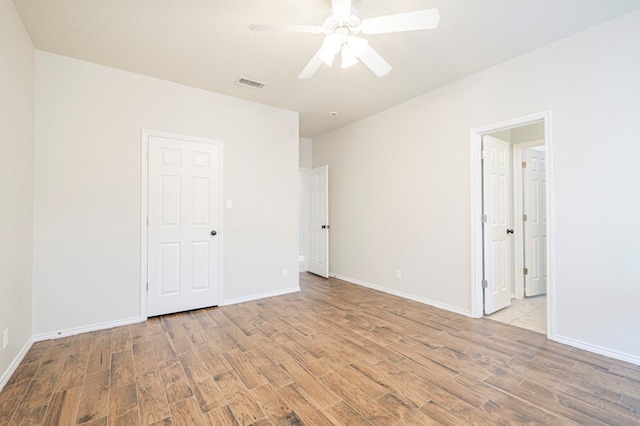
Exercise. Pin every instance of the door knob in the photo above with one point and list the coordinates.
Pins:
(509, 231)
(214, 232)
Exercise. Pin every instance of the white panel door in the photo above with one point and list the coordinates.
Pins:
(535, 227)
(183, 225)
(496, 206)
(317, 227)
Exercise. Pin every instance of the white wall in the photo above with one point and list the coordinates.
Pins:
(400, 183)
(17, 59)
(305, 153)
(87, 188)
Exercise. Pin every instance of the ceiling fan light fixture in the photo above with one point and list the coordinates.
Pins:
(330, 48)
(348, 58)
(357, 45)
(326, 57)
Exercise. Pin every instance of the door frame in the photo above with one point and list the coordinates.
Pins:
(144, 211)
(476, 211)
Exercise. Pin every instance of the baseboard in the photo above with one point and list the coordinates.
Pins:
(598, 349)
(260, 296)
(86, 329)
(404, 295)
(14, 365)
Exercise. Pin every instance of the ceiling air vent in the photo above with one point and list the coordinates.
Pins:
(250, 83)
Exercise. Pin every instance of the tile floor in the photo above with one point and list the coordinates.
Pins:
(529, 313)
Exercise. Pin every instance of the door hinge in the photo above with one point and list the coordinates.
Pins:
(483, 218)
(147, 286)
(483, 154)
(485, 283)
(524, 164)
(147, 221)
(524, 218)
(525, 271)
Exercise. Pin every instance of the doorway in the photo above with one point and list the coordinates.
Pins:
(512, 245)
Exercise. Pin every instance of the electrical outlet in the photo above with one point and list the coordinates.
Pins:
(5, 339)
(398, 274)
(285, 273)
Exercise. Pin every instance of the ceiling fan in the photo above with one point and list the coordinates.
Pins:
(342, 27)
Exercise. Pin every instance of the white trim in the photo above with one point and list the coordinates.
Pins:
(476, 211)
(86, 329)
(301, 258)
(4, 379)
(517, 225)
(260, 296)
(144, 205)
(403, 295)
(598, 350)
(551, 221)
(476, 231)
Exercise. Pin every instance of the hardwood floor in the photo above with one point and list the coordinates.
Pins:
(335, 353)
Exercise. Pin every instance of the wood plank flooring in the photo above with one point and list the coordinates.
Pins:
(335, 353)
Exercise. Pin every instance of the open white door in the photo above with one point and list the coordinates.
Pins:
(183, 225)
(496, 217)
(535, 225)
(317, 227)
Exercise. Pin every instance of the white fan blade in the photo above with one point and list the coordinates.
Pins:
(341, 7)
(375, 62)
(314, 64)
(287, 28)
(421, 20)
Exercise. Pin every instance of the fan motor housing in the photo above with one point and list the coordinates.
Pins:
(334, 22)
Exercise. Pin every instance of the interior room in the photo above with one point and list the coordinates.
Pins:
(259, 212)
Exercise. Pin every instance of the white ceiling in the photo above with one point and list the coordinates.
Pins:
(207, 44)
